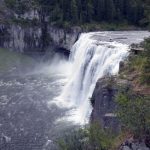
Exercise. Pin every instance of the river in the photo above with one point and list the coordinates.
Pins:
(41, 100)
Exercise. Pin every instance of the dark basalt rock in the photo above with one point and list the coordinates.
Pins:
(103, 102)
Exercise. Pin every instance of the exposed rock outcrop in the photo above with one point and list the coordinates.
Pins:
(131, 144)
(20, 39)
(103, 101)
(30, 31)
(32, 39)
(64, 38)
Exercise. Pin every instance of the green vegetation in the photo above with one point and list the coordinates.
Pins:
(89, 138)
(133, 106)
(133, 112)
(24, 22)
(99, 26)
(79, 12)
(138, 65)
(145, 77)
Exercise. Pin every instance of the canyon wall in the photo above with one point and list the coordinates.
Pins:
(103, 102)
(35, 39)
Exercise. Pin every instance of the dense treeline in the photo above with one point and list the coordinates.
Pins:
(87, 11)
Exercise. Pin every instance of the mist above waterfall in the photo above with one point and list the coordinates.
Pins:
(91, 59)
(93, 56)
(31, 88)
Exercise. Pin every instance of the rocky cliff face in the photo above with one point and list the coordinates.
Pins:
(63, 38)
(103, 101)
(29, 39)
(20, 39)
(31, 31)
(104, 106)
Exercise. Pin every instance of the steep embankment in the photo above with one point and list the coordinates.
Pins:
(30, 33)
(133, 74)
(122, 103)
(29, 26)
(103, 102)
(34, 39)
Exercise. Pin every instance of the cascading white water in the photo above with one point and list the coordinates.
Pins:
(91, 59)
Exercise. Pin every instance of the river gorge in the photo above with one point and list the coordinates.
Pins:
(42, 99)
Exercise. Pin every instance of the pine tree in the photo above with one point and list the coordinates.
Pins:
(82, 11)
(74, 11)
(109, 10)
(100, 10)
(132, 11)
(89, 11)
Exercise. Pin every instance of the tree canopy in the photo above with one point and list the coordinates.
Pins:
(86, 11)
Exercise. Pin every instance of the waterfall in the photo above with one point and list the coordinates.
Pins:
(91, 59)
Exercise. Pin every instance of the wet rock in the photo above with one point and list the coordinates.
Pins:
(134, 146)
(103, 102)
(121, 66)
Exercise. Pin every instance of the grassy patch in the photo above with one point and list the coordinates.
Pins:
(95, 26)
(107, 26)
(137, 69)
(90, 138)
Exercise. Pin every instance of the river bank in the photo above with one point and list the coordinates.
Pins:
(32, 102)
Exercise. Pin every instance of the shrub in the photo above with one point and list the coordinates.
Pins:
(146, 66)
(133, 112)
(89, 138)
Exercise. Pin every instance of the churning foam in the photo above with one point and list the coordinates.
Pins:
(91, 60)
